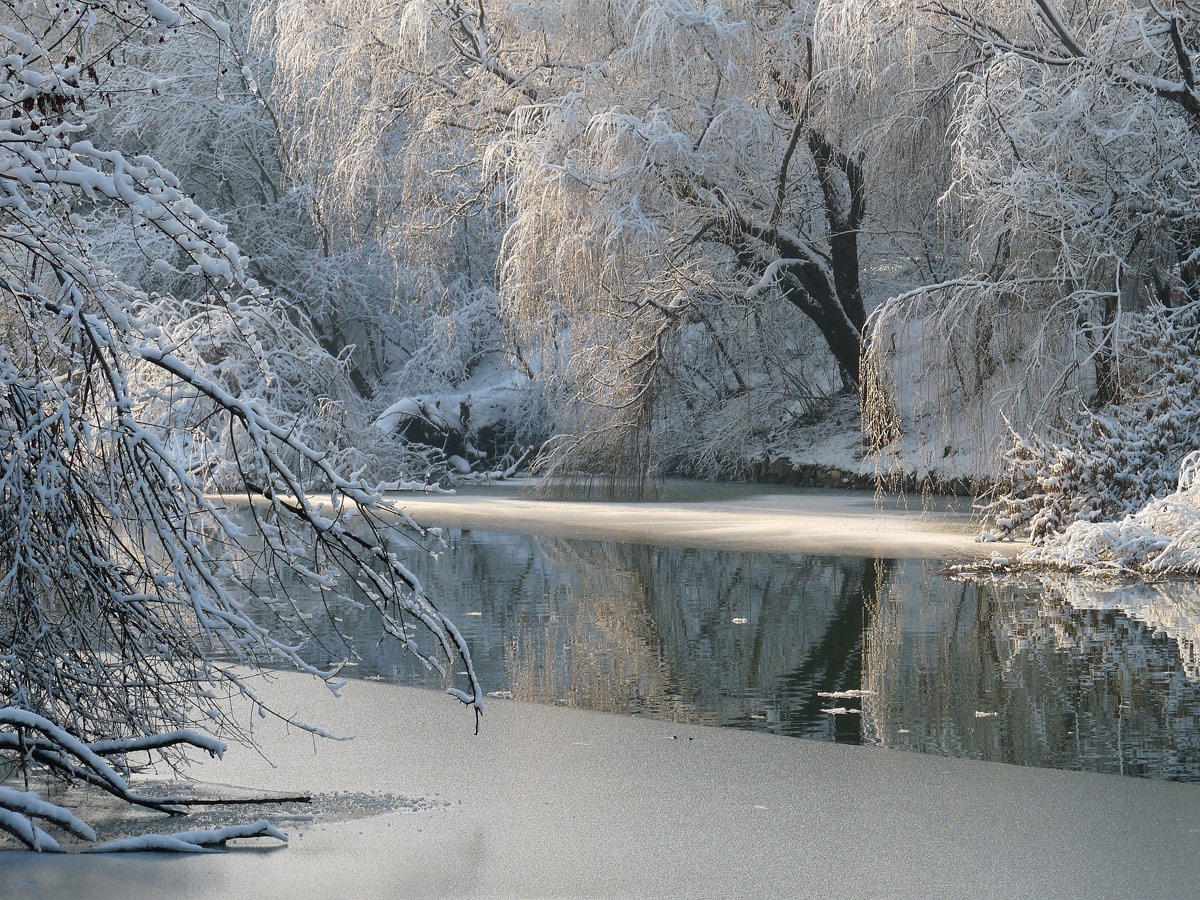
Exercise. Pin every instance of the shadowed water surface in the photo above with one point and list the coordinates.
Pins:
(1043, 672)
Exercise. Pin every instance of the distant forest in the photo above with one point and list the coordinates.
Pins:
(638, 239)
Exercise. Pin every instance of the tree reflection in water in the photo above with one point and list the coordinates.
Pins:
(1046, 672)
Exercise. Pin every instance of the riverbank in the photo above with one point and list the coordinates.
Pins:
(733, 517)
(553, 802)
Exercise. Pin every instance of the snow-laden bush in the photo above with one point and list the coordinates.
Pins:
(488, 427)
(1121, 456)
(1163, 537)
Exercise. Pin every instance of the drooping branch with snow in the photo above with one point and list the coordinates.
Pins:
(1070, 204)
(132, 600)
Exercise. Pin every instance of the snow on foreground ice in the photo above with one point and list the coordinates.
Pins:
(550, 802)
(1162, 538)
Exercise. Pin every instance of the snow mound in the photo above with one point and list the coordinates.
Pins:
(1162, 538)
(489, 404)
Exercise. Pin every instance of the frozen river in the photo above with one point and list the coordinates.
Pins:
(725, 619)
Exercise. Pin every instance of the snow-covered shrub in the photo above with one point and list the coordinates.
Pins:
(488, 426)
(1161, 538)
(1119, 457)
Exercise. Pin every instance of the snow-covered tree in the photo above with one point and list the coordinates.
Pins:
(382, 129)
(683, 182)
(1070, 201)
(679, 195)
(204, 109)
(127, 589)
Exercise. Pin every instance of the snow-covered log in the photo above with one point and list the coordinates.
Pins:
(206, 841)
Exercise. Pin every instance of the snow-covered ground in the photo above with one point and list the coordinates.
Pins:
(550, 802)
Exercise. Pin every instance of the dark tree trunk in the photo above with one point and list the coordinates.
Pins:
(845, 207)
(831, 295)
(1108, 386)
(808, 288)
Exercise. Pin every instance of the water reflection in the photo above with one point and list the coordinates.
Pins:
(1044, 672)
(1027, 673)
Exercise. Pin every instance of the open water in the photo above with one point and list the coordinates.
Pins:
(1044, 671)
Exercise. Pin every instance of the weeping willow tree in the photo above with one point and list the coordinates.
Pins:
(1073, 152)
(715, 209)
(383, 114)
(664, 203)
(128, 591)
(664, 210)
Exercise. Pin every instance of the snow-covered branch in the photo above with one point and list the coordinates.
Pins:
(136, 604)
